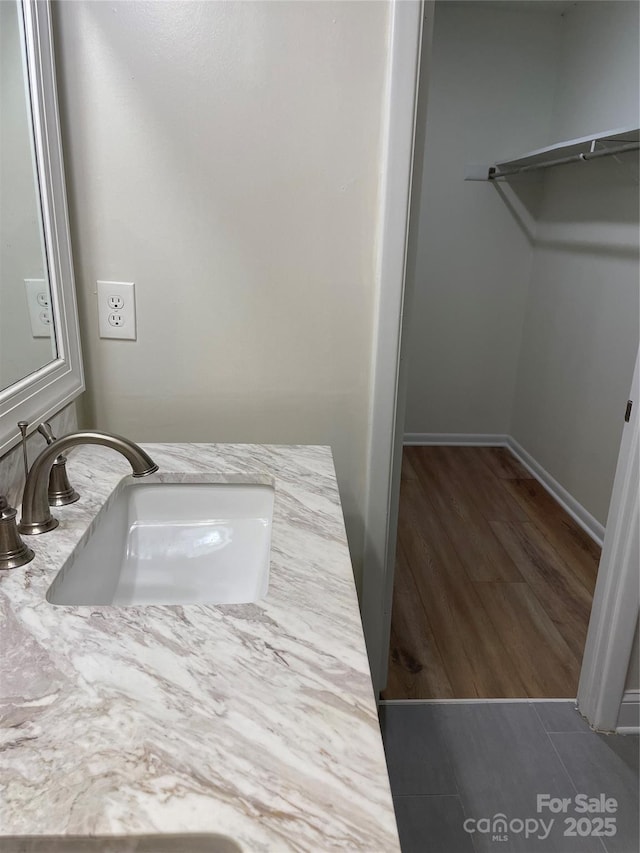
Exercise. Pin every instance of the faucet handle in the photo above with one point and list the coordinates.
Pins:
(60, 492)
(45, 430)
(13, 551)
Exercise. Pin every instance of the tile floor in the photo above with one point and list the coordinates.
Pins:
(451, 763)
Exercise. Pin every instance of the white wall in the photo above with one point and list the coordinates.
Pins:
(491, 92)
(598, 71)
(581, 327)
(21, 253)
(225, 157)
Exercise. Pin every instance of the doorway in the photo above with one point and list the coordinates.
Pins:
(538, 239)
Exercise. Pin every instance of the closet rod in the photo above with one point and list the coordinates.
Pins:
(496, 172)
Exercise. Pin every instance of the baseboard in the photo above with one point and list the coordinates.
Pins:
(580, 515)
(629, 716)
(462, 439)
(575, 509)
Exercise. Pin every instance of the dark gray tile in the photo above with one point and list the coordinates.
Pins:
(560, 717)
(606, 764)
(416, 756)
(502, 759)
(433, 824)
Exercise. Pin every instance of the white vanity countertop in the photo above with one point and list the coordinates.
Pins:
(254, 721)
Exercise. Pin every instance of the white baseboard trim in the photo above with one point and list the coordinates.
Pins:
(462, 439)
(575, 509)
(629, 716)
(580, 515)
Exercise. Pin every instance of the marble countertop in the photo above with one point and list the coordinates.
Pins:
(254, 722)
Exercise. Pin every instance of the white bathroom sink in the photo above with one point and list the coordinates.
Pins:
(159, 542)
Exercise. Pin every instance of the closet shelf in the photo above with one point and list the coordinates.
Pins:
(592, 147)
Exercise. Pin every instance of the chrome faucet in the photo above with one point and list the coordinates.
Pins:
(36, 516)
(61, 492)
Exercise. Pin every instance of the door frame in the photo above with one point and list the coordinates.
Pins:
(386, 414)
(615, 605)
(616, 599)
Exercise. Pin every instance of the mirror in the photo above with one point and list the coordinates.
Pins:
(27, 341)
(40, 362)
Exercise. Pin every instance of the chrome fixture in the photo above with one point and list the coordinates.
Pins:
(36, 517)
(13, 551)
(61, 492)
(581, 157)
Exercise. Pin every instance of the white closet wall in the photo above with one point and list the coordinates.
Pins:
(581, 326)
(598, 68)
(491, 88)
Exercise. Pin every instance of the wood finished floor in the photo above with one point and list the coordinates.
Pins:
(493, 584)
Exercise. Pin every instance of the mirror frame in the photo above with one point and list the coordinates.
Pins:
(44, 392)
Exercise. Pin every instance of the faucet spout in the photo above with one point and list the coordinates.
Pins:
(36, 516)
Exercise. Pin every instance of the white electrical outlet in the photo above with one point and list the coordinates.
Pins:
(117, 309)
(39, 302)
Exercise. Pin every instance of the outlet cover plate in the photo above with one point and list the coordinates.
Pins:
(121, 322)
